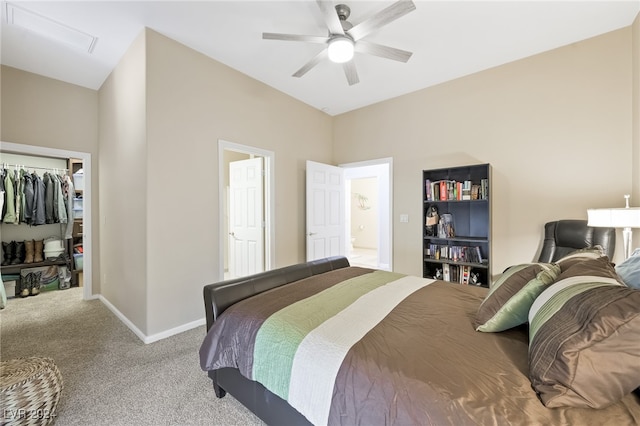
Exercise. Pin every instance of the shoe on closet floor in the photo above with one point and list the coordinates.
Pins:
(25, 284)
(35, 283)
(38, 251)
(28, 251)
(19, 253)
(8, 250)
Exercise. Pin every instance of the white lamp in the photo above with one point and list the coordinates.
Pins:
(340, 49)
(626, 218)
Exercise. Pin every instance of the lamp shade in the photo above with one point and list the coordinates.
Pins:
(340, 49)
(614, 218)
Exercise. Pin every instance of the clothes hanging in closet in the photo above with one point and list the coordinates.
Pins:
(69, 193)
(38, 214)
(34, 200)
(10, 201)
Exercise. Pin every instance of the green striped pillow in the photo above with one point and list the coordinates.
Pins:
(580, 255)
(584, 339)
(510, 297)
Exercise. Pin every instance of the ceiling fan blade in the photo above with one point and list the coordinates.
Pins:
(382, 18)
(330, 17)
(350, 72)
(383, 51)
(294, 37)
(312, 63)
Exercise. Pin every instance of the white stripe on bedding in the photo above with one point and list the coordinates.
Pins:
(319, 356)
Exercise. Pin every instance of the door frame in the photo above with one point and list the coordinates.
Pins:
(14, 148)
(269, 204)
(373, 168)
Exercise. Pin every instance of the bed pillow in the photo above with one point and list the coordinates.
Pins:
(510, 297)
(629, 270)
(583, 340)
(580, 255)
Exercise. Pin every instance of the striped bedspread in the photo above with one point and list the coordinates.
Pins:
(318, 333)
(358, 346)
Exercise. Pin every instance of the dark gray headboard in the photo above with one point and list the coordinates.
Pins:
(219, 296)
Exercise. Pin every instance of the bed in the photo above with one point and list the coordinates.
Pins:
(326, 343)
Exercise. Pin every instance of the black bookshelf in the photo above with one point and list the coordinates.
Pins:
(461, 195)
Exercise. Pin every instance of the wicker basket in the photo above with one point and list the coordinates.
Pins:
(29, 390)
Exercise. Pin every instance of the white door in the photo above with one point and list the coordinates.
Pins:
(246, 223)
(326, 230)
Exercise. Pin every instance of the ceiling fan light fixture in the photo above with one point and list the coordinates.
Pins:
(340, 49)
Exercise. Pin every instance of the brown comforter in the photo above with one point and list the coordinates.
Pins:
(423, 364)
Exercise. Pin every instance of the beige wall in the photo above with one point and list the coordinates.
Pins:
(556, 128)
(43, 112)
(124, 186)
(635, 108)
(192, 102)
(66, 115)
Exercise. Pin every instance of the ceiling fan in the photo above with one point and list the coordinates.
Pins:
(345, 38)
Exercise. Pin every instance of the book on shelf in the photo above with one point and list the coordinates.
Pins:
(467, 254)
(445, 190)
(478, 257)
(484, 189)
(475, 191)
(456, 273)
(445, 226)
(464, 276)
(440, 190)
(432, 251)
(466, 190)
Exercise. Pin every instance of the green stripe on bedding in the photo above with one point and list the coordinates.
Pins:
(279, 337)
(320, 355)
(555, 297)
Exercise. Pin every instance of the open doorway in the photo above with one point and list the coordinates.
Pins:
(240, 256)
(363, 218)
(86, 234)
(368, 213)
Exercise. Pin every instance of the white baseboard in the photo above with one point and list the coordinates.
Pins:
(175, 330)
(154, 337)
(122, 318)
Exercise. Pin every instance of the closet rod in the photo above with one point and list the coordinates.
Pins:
(6, 166)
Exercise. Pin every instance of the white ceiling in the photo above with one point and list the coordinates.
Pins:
(449, 39)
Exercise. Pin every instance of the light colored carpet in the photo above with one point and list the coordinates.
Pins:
(110, 376)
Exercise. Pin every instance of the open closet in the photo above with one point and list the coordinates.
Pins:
(41, 223)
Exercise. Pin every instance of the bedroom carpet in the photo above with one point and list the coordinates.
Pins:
(110, 376)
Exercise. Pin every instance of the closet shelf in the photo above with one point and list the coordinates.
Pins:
(15, 269)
